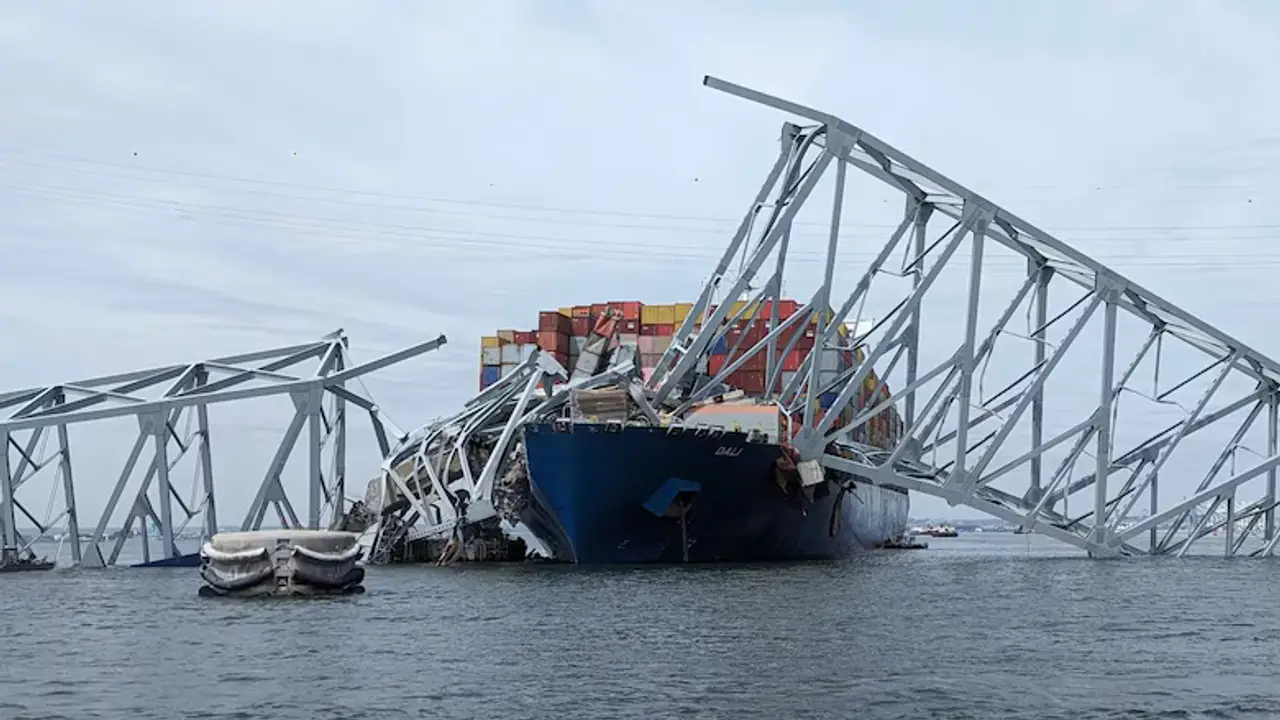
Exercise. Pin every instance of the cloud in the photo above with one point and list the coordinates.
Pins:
(1075, 115)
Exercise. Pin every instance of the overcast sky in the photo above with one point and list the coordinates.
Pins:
(182, 180)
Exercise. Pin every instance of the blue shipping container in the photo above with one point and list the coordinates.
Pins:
(720, 347)
(827, 400)
(489, 374)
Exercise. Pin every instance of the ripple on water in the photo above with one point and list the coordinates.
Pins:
(974, 630)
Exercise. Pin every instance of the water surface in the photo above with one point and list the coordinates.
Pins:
(980, 626)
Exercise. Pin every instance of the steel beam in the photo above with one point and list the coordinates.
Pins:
(159, 397)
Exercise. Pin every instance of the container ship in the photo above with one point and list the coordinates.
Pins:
(604, 485)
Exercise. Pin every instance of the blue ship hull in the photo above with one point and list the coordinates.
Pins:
(606, 497)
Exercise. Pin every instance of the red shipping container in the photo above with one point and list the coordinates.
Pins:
(630, 326)
(751, 381)
(759, 361)
(715, 363)
(526, 337)
(793, 361)
(631, 310)
(665, 330)
(563, 359)
(597, 309)
(551, 321)
(553, 341)
(581, 311)
(581, 326)
(649, 330)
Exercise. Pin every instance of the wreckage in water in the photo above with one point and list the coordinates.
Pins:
(600, 473)
(723, 429)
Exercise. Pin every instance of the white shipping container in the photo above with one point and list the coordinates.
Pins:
(508, 368)
(491, 356)
(510, 354)
(646, 344)
(661, 343)
(527, 350)
(578, 342)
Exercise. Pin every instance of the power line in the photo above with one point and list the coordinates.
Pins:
(527, 207)
(544, 246)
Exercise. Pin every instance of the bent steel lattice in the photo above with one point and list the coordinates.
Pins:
(1020, 453)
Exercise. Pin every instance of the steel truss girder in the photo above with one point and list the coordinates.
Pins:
(432, 469)
(960, 442)
(160, 399)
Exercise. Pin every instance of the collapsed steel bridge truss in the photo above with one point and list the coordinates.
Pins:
(1114, 420)
(162, 399)
(445, 484)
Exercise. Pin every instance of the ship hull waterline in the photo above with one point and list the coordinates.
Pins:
(635, 494)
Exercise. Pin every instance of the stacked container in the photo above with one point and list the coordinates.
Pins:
(651, 329)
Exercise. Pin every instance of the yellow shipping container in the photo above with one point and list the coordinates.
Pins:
(489, 341)
(682, 311)
(859, 355)
(871, 382)
(666, 314)
(566, 311)
(649, 314)
(507, 335)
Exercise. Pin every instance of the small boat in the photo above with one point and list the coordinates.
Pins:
(24, 563)
(904, 542)
(281, 562)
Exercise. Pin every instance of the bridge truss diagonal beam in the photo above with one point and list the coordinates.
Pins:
(171, 407)
(1023, 378)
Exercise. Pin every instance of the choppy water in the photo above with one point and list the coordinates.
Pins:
(981, 626)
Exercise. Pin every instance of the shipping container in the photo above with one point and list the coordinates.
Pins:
(527, 350)
(553, 341)
(510, 354)
(490, 341)
(489, 374)
(793, 360)
(580, 326)
(715, 364)
(661, 343)
(752, 381)
(758, 361)
(649, 314)
(582, 311)
(597, 309)
(507, 335)
(552, 321)
(649, 360)
(666, 330)
(491, 356)
(720, 347)
(680, 312)
(566, 311)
